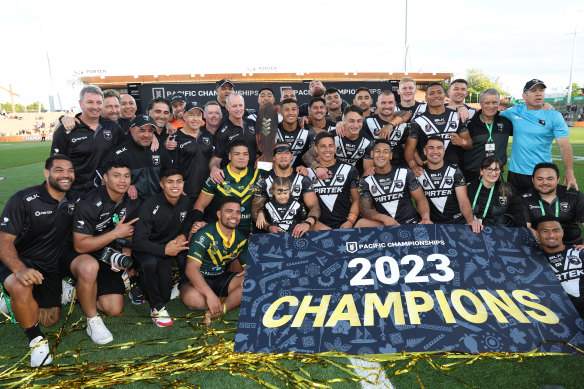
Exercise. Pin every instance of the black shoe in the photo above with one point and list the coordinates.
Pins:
(137, 295)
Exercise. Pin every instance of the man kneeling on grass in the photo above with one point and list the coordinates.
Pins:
(215, 250)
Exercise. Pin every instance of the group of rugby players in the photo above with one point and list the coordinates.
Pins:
(126, 196)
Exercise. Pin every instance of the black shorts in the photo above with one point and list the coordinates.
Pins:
(47, 294)
(220, 283)
(108, 281)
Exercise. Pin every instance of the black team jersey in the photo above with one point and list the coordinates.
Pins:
(568, 207)
(334, 195)
(191, 157)
(417, 109)
(160, 222)
(391, 194)
(443, 125)
(228, 133)
(87, 148)
(567, 265)
(97, 214)
(439, 187)
(285, 216)
(397, 139)
(40, 223)
(299, 140)
(300, 185)
(353, 152)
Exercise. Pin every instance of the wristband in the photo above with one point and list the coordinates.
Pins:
(306, 222)
(198, 215)
(313, 218)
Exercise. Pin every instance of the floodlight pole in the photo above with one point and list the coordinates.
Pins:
(572, 67)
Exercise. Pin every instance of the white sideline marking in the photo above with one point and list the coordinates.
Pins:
(370, 371)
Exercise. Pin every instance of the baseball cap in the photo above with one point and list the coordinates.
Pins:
(531, 83)
(190, 106)
(141, 121)
(220, 83)
(178, 97)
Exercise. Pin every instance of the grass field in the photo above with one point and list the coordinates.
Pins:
(188, 354)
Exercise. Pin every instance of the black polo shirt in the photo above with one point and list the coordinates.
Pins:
(40, 223)
(570, 210)
(191, 157)
(97, 214)
(160, 222)
(87, 148)
(228, 133)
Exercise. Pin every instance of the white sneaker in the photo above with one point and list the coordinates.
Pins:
(161, 318)
(4, 307)
(67, 292)
(174, 293)
(97, 331)
(39, 355)
(126, 279)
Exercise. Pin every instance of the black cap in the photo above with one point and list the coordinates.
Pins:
(190, 106)
(178, 97)
(141, 121)
(531, 83)
(220, 83)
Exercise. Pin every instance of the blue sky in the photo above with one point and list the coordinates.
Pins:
(516, 41)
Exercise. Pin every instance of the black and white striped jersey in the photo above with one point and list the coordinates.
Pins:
(567, 265)
(299, 140)
(373, 125)
(354, 151)
(300, 185)
(285, 216)
(391, 194)
(417, 109)
(439, 187)
(334, 193)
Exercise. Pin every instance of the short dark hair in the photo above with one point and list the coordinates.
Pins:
(435, 137)
(488, 161)
(546, 165)
(237, 143)
(265, 88)
(227, 200)
(115, 163)
(547, 218)
(282, 181)
(321, 135)
(384, 142)
(289, 101)
(315, 100)
(159, 100)
(112, 93)
(435, 83)
(330, 91)
(362, 89)
(56, 157)
(353, 108)
(459, 80)
(168, 171)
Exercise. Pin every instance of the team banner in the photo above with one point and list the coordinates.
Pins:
(416, 288)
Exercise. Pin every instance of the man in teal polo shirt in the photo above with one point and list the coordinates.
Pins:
(534, 130)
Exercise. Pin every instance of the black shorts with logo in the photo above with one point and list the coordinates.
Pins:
(47, 294)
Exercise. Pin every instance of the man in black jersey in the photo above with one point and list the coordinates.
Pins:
(565, 262)
(236, 128)
(33, 226)
(334, 104)
(289, 131)
(128, 111)
(302, 189)
(159, 110)
(315, 89)
(338, 193)
(111, 111)
(213, 116)
(144, 163)
(457, 92)
(385, 196)
(103, 218)
(437, 121)
(548, 198)
(363, 100)
(223, 88)
(160, 235)
(90, 141)
(317, 118)
(445, 188)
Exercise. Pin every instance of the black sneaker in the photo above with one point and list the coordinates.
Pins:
(137, 295)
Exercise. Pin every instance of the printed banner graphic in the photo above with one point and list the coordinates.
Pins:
(416, 288)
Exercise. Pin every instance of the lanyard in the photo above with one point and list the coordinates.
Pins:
(557, 208)
(490, 128)
(488, 201)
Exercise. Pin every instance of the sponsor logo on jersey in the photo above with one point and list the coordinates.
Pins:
(121, 151)
(340, 178)
(452, 124)
(182, 215)
(98, 204)
(399, 184)
(4, 221)
(39, 213)
(449, 180)
(186, 143)
(31, 198)
(233, 136)
(80, 223)
(75, 140)
(155, 209)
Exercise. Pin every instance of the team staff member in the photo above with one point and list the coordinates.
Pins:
(33, 226)
(338, 193)
(104, 218)
(160, 235)
(565, 262)
(91, 140)
(534, 130)
(159, 110)
(240, 182)
(548, 198)
(223, 88)
(494, 202)
(489, 132)
(207, 277)
(144, 163)
(386, 196)
(445, 188)
(236, 128)
(178, 102)
(194, 151)
(128, 112)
